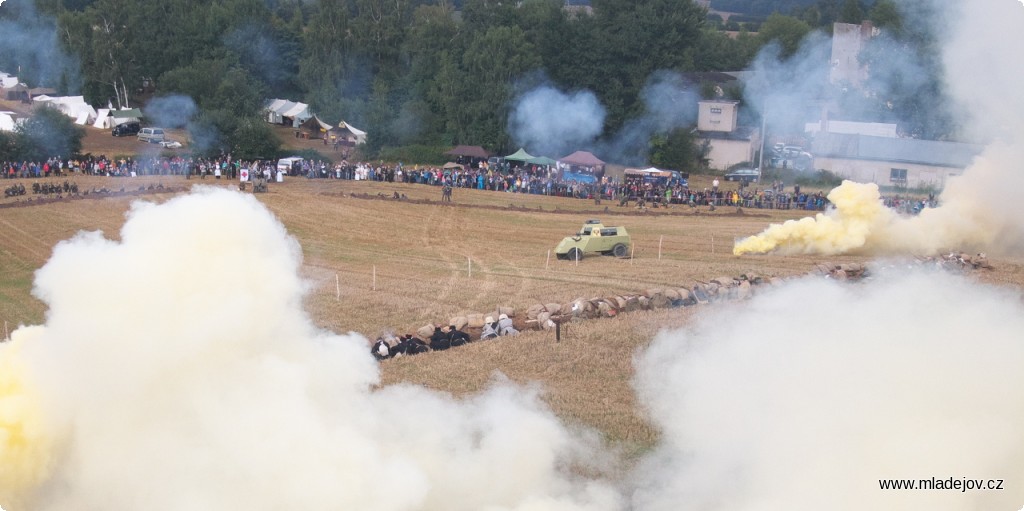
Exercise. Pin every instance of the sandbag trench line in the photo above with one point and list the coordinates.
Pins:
(545, 316)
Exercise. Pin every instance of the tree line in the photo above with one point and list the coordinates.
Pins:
(416, 74)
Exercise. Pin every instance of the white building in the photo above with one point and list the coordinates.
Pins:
(891, 161)
(728, 143)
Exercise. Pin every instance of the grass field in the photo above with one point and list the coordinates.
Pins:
(420, 255)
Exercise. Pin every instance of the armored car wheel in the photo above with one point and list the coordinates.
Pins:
(620, 250)
(574, 254)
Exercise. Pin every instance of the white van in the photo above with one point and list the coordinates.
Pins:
(286, 165)
(151, 135)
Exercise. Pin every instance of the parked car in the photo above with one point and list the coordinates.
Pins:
(745, 175)
(126, 129)
(151, 135)
(594, 237)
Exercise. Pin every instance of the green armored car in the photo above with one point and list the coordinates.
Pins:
(593, 238)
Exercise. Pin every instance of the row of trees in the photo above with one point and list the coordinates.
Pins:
(413, 72)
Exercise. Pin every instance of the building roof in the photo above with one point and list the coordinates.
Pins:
(901, 150)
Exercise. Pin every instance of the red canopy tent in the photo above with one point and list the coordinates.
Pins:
(582, 159)
(581, 166)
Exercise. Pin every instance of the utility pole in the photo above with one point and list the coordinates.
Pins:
(764, 124)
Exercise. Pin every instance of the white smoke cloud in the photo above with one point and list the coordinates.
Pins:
(803, 398)
(30, 46)
(177, 370)
(555, 123)
(177, 111)
(547, 121)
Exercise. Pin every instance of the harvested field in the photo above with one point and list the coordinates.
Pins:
(421, 253)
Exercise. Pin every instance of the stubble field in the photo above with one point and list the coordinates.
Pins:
(418, 254)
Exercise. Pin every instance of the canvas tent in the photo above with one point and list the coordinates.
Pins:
(521, 155)
(16, 92)
(543, 161)
(103, 119)
(41, 91)
(282, 111)
(7, 122)
(347, 135)
(314, 128)
(581, 166)
(74, 107)
(8, 81)
(126, 115)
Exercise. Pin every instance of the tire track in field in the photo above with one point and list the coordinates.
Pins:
(23, 239)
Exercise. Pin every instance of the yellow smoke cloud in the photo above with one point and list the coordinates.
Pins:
(858, 214)
(24, 443)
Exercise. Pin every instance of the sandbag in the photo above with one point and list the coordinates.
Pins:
(460, 322)
(426, 330)
(475, 320)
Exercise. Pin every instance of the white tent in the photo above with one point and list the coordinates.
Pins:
(7, 81)
(358, 134)
(273, 108)
(103, 119)
(282, 111)
(74, 107)
(7, 122)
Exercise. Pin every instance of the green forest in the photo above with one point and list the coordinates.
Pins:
(415, 74)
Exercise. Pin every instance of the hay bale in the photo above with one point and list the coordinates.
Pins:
(632, 304)
(533, 310)
(475, 320)
(460, 322)
(651, 292)
(426, 331)
(553, 308)
(645, 303)
(508, 311)
(723, 281)
(672, 294)
(620, 302)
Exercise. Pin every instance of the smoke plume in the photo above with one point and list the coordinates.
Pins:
(176, 111)
(177, 370)
(547, 121)
(978, 210)
(812, 393)
(30, 49)
(550, 122)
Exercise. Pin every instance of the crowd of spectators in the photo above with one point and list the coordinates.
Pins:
(480, 176)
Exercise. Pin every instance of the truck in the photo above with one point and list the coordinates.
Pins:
(594, 238)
